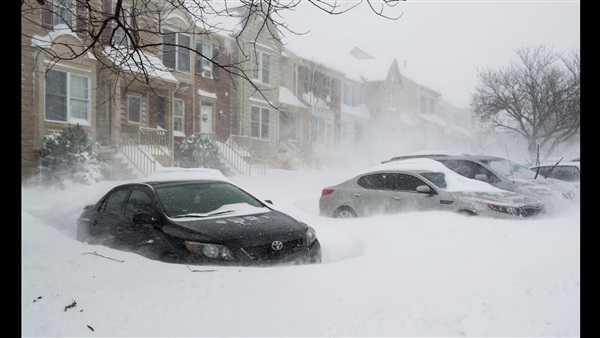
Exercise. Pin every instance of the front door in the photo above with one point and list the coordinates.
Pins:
(206, 118)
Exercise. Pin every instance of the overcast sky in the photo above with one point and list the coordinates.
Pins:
(443, 43)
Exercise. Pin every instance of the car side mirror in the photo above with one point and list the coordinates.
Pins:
(424, 189)
(143, 218)
(481, 177)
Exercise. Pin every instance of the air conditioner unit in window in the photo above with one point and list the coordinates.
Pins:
(207, 73)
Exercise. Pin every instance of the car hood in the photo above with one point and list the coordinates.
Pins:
(550, 183)
(503, 198)
(241, 227)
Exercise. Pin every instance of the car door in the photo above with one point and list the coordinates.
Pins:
(136, 235)
(103, 227)
(406, 197)
(392, 192)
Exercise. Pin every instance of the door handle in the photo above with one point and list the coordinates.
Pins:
(357, 195)
(397, 198)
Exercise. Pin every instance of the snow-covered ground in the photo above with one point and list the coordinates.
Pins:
(414, 274)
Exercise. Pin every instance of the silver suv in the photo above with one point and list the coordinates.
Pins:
(505, 174)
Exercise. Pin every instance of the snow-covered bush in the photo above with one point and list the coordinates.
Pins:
(198, 152)
(70, 156)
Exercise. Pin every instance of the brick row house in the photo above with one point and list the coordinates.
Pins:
(233, 82)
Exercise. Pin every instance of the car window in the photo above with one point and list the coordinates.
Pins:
(390, 181)
(470, 169)
(438, 179)
(138, 202)
(113, 203)
(202, 198)
(510, 169)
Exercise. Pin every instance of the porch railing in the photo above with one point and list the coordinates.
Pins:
(155, 142)
(238, 157)
(141, 160)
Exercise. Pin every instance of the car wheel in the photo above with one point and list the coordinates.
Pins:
(345, 212)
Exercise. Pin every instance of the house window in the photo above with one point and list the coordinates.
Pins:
(206, 67)
(423, 105)
(161, 111)
(178, 115)
(176, 53)
(308, 80)
(327, 88)
(120, 38)
(260, 122)
(67, 97)
(261, 65)
(134, 108)
(63, 12)
(348, 95)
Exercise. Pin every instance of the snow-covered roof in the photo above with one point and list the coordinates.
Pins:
(203, 93)
(434, 119)
(286, 96)
(46, 41)
(361, 111)
(152, 64)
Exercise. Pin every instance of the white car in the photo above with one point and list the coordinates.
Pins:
(566, 171)
(421, 185)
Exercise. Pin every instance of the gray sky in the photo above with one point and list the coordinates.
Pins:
(442, 43)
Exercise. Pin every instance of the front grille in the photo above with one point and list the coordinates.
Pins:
(266, 252)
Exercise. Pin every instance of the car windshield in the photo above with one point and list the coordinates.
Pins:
(511, 169)
(438, 179)
(203, 199)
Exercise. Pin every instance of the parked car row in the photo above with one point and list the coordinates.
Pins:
(198, 216)
(507, 175)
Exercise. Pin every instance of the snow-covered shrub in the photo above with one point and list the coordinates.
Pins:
(198, 152)
(70, 156)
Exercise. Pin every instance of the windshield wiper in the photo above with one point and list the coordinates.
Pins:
(200, 215)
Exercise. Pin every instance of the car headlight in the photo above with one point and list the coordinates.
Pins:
(504, 209)
(311, 236)
(210, 250)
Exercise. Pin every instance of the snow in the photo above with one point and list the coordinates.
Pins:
(286, 96)
(414, 274)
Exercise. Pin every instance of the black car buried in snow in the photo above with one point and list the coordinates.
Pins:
(198, 219)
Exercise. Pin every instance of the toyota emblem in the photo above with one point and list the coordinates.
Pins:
(277, 245)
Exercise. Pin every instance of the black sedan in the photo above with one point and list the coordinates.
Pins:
(200, 221)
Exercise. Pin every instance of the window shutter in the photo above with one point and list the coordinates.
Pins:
(81, 25)
(216, 69)
(134, 25)
(106, 13)
(199, 57)
(48, 14)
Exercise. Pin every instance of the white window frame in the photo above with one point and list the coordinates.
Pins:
(119, 37)
(179, 115)
(179, 52)
(261, 66)
(128, 107)
(63, 9)
(207, 67)
(259, 128)
(70, 98)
